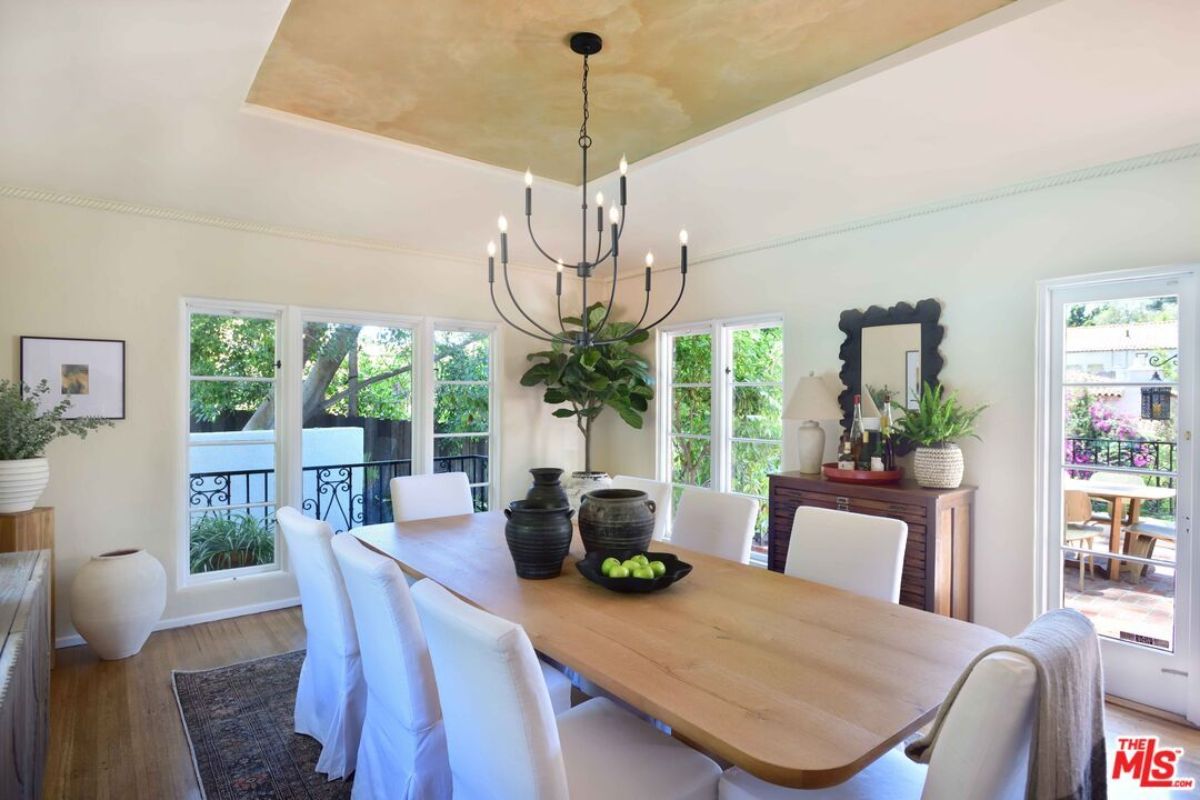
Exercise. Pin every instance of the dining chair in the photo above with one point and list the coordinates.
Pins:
(331, 697)
(856, 552)
(659, 492)
(716, 523)
(504, 739)
(982, 752)
(1079, 529)
(402, 752)
(443, 494)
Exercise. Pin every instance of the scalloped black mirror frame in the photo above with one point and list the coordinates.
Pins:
(926, 312)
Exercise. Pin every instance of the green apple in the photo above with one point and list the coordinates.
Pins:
(618, 572)
(658, 568)
(643, 572)
(607, 565)
(641, 559)
(630, 564)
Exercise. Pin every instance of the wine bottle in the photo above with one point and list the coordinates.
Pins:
(858, 437)
(886, 433)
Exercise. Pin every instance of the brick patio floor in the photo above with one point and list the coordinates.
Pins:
(1145, 608)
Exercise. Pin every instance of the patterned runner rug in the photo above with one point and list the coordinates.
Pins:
(238, 720)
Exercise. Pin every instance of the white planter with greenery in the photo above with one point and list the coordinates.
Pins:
(934, 426)
(24, 434)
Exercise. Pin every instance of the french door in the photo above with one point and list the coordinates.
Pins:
(1118, 404)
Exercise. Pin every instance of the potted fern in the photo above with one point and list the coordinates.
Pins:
(24, 434)
(934, 426)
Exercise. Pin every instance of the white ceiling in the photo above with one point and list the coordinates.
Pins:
(143, 102)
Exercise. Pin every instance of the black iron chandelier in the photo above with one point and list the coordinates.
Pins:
(585, 44)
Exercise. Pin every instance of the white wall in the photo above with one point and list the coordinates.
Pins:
(982, 262)
(97, 274)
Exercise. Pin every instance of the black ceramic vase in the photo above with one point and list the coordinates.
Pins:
(538, 539)
(546, 492)
(616, 519)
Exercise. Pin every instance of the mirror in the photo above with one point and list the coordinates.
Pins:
(892, 351)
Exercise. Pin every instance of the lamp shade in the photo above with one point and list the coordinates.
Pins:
(812, 400)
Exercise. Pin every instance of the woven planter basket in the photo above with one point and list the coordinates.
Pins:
(938, 467)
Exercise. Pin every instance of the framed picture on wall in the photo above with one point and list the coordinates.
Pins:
(88, 372)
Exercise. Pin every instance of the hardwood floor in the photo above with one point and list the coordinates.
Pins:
(115, 729)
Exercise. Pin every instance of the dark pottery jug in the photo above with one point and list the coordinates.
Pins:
(538, 539)
(546, 492)
(616, 519)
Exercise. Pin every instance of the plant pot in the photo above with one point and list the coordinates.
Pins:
(616, 519)
(546, 492)
(580, 483)
(115, 600)
(22, 483)
(538, 539)
(938, 467)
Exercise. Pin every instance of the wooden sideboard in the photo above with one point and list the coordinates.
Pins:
(25, 649)
(937, 558)
(32, 530)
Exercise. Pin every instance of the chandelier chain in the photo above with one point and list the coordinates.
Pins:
(585, 141)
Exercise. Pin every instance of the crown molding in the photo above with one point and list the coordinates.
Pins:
(1095, 172)
(244, 226)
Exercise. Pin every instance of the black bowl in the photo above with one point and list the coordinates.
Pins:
(589, 567)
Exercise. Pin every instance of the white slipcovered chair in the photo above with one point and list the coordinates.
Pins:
(659, 492)
(716, 523)
(331, 697)
(982, 752)
(402, 753)
(856, 552)
(504, 739)
(444, 494)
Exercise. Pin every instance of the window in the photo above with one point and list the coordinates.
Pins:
(721, 406)
(232, 449)
(462, 406)
(319, 411)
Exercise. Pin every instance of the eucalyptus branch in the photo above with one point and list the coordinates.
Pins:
(25, 431)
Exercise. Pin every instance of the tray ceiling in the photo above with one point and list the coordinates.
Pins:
(494, 81)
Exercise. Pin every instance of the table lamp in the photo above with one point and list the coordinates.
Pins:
(812, 401)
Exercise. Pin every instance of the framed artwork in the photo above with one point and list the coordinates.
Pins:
(88, 372)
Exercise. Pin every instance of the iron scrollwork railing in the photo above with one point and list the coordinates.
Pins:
(1088, 456)
(344, 495)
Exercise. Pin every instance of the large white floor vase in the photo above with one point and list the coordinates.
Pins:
(22, 482)
(116, 599)
(938, 467)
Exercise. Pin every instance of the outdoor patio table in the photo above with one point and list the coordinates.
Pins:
(1118, 494)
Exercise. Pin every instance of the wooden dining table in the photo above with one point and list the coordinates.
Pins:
(798, 683)
(1121, 496)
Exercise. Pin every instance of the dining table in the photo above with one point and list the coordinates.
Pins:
(1122, 496)
(798, 683)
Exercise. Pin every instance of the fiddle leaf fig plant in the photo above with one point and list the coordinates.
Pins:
(25, 431)
(584, 381)
(938, 420)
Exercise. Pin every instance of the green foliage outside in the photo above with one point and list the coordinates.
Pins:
(230, 542)
(585, 381)
(25, 431)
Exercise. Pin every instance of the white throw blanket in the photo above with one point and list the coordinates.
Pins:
(1067, 755)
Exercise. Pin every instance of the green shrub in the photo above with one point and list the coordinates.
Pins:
(25, 432)
(230, 542)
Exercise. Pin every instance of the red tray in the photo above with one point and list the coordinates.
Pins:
(832, 472)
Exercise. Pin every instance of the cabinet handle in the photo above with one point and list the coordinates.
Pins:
(843, 503)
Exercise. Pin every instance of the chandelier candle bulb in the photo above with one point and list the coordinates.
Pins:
(649, 259)
(683, 240)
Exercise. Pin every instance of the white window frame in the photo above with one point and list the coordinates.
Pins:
(432, 326)
(202, 306)
(720, 436)
(289, 331)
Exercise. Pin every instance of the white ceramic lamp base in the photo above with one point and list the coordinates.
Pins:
(810, 440)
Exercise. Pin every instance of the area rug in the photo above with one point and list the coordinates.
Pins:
(238, 721)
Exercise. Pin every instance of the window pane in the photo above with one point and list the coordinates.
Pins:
(758, 354)
(752, 464)
(461, 355)
(692, 461)
(1131, 339)
(230, 407)
(232, 346)
(692, 357)
(467, 454)
(461, 408)
(691, 411)
(758, 412)
(231, 539)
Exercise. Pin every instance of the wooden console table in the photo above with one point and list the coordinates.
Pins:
(937, 558)
(25, 649)
(32, 530)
